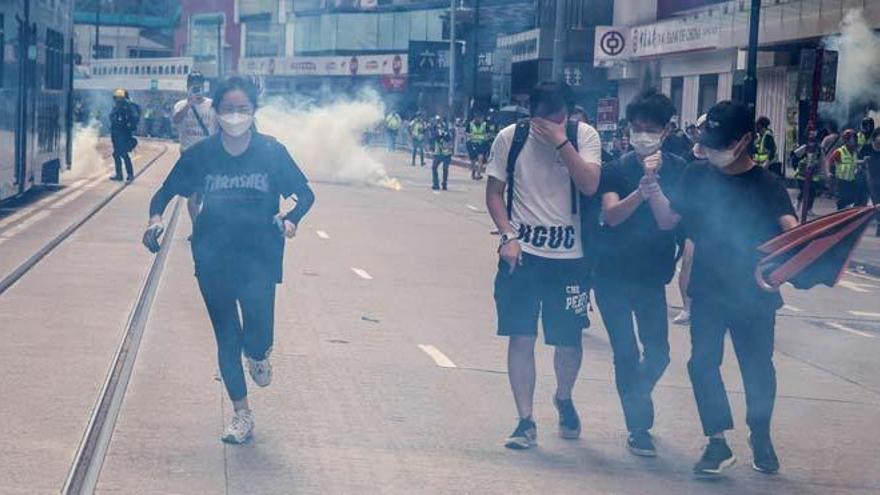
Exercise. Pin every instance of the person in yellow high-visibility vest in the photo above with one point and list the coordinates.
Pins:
(765, 146)
(477, 145)
(846, 169)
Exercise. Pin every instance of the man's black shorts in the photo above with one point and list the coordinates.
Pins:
(477, 148)
(554, 291)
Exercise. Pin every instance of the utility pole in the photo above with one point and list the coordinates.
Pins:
(750, 84)
(220, 49)
(559, 40)
(97, 29)
(475, 49)
(452, 56)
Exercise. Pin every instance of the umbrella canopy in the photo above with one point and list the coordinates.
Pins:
(814, 253)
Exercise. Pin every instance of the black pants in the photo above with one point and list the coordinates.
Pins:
(847, 193)
(815, 188)
(418, 148)
(251, 330)
(752, 332)
(444, 160)
(635, 372)
(118, 158)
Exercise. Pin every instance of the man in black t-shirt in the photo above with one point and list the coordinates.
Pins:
(637, 260)
(869, 157)
(728, 207)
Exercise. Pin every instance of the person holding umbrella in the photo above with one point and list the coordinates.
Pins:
(728, 206)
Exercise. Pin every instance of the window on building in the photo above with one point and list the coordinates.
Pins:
(205, 36)
(263, 37)
(147, 53)
(708, 93)
(54, 59)
(103, 51)
(357, 31)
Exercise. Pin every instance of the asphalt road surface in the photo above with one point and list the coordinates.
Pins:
(388, 376)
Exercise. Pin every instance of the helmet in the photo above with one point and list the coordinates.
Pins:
(120, 94)
(195, 78)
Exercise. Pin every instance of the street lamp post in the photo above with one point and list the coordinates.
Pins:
(559, 40)
(750, 84)
(451, 95)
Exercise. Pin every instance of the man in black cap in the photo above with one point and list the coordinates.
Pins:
(728, 206)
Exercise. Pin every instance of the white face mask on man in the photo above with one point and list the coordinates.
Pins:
(723, 158)
(235, 124)
(646, 143)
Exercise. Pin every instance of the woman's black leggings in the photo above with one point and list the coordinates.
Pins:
(243, 316)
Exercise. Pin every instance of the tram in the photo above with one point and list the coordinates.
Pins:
(36, 93)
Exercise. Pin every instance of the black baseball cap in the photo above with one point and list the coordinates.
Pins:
(726, 123)
(195, 78)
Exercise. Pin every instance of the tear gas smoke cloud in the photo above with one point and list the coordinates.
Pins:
(858, 68)
(326, 140)
(87, 160)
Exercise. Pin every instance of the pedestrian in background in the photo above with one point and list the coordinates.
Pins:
(417, 130)
(195, 120)
(728, 207)
(123, 123)
(238, 238)
(541, 273)
(392, 128)
(443, 143)
(844, 162)
(870, 157)
(638, 260)
(765, 147)
(477, 145)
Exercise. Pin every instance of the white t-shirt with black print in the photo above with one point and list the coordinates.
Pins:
(542, 210)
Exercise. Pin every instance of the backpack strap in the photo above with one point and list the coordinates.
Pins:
(571, 133)
(520, 135)
(199, 120)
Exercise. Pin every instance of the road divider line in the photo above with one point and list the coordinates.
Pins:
(362, 273)
(856, 287)
(323, 235)
(866, 314)
(792, 308)
(439, 358)
(847, 329)
(13, 231)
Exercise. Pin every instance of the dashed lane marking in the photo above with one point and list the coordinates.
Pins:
(866, 314)
(323, 235)
(793, 308)
(472, 208)
(362, 273)
(856, 287)
(27, 223)
(438, 357)
(862, 276)
(847, 329)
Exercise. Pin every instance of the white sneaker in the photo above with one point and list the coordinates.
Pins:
(241, 428)
(261, 371)
(682, 318)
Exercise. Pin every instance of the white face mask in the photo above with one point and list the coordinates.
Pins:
(235, 124)
(722, 158)
(646, 143)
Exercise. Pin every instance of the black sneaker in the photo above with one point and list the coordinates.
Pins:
(716, 458)
(525, 436)
(764, 458)
(641, 443)
(569, 422)
(117, 178)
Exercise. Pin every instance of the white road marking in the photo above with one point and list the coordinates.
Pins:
(847, 329)
(323, 235)
(438, 357)
(793, 308)
(436, 192)
(862, 276)
(855, 286)
(472, 208)
(362, 273)
(58, 199)
(866, 314)
(27, 223)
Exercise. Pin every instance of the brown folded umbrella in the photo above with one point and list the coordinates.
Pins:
(814, 253)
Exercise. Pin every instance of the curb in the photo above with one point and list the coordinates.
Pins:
(862, 266)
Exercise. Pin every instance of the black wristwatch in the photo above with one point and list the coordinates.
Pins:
(508, 237)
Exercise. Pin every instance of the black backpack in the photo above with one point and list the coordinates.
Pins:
(590, 206)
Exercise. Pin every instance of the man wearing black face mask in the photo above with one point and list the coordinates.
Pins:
(728, 207)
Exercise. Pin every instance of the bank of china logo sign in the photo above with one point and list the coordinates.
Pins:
(612, 43)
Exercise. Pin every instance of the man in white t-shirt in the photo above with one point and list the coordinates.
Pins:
(541, 273)
(195, 120)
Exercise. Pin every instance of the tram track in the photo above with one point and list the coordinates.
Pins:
(85, 470)
(23, 268)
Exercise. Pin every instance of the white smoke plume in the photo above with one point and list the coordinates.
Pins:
(858, 68)
(327, 140)
(87, 159)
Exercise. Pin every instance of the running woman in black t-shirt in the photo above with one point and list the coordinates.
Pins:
(238, 238)
(728, 207)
